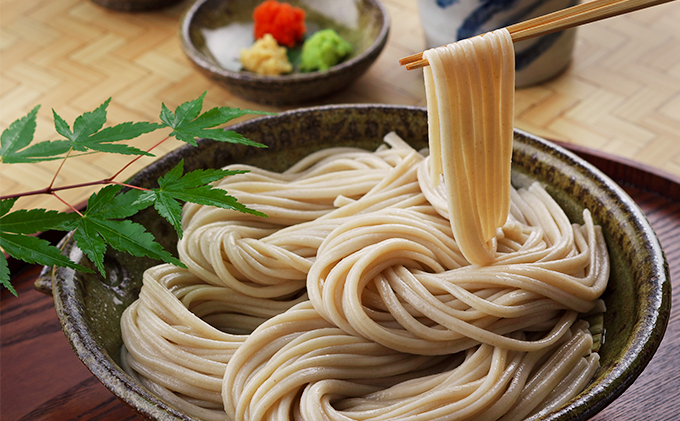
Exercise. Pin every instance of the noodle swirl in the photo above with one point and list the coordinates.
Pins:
(385, 285)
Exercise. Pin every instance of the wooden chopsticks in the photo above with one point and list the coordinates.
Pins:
(557, 21)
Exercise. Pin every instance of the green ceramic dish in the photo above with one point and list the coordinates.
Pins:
(637, 298)
(213, 32)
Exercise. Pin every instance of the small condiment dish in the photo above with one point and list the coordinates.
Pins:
(213, 32)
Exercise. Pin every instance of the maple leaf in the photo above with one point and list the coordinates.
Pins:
(108, 203)
(15, 241)
(15, 143)
(101, 225)
(35, 250)
(176, 187)
(104, 223)
(87, 134)
(188, 123)
(6, 206)
(35, 220)
(4, 275)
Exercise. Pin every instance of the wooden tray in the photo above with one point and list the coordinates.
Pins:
(42, 378)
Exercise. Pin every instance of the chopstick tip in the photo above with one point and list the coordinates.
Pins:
(419, 64)
(410, 59)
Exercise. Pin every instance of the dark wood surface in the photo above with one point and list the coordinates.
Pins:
(42, 379)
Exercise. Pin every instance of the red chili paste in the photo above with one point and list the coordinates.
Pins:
(285, 22)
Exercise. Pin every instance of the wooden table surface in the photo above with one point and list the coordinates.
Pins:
(621, 96)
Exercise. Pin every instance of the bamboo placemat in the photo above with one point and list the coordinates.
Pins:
(621, 95)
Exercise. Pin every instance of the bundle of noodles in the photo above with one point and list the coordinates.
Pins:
(181, 332)
(384, 285)
(393, 276)
(296, 366)
(187, 322)
(270, 257)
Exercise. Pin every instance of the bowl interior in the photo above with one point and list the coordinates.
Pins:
(218, 30)
(637, 298)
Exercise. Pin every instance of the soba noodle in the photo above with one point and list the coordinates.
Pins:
(385, 285)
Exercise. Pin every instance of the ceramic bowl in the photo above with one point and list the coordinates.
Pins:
(637, 298)
(213, 32)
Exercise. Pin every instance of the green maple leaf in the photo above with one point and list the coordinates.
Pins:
(19, 134)
(6, 205)
(4, 275)
(104, 222)
(34, 221)
(188, 123)
(87, 134)
(176, 187)
(15, 240)
(15, 143)
(100, 226)
(108, 203)
(48, 150)
(35, 250)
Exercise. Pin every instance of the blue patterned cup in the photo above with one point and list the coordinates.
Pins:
(536, 60)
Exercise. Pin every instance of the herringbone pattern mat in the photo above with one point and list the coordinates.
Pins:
(621, 95)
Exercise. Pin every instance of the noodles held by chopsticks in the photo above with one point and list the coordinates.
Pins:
(384, 285)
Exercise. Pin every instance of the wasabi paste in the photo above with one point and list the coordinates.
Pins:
(323, 50)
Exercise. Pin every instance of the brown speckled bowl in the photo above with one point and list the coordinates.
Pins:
(637, 298)
(364, 23)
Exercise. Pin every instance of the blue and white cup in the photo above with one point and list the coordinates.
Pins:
(536, 60)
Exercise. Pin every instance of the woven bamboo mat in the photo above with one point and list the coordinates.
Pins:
(621, 95)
